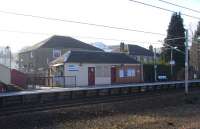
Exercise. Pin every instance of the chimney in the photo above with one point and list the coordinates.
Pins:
(122, 47)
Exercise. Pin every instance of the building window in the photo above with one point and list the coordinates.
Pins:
(142, 59)
(135, 57)
(131, 72)
(138, 58)
(31, 55)
(56, 53)
(145, 59)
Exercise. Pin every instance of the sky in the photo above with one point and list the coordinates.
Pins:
(119, 13)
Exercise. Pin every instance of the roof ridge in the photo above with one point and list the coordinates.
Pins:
(62, 40)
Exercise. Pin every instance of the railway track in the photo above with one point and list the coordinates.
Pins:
(28, 103)
(87, 101)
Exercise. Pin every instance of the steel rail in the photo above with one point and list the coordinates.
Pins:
(140, 91)
(87, 101)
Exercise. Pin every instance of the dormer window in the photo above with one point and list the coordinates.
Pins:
(56, 53)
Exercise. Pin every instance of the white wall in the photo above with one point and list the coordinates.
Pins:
(5, 74)
(82, 74)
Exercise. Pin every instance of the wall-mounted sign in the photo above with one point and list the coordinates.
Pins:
(73, 67)
(172, 62)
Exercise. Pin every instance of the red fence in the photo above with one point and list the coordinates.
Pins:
(18, 78)
(56, 81)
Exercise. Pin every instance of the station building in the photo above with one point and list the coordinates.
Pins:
(90, 68)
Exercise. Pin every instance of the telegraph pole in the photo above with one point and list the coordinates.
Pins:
(186, 62)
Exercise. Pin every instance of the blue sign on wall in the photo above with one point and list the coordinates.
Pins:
(73, 67)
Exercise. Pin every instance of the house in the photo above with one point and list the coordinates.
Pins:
(35, 59)
(195, 56)
(138, 53)
(5, 74)
(91, 68)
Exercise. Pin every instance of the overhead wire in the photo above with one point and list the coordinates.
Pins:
(92, 24)
(91, 37)
(83, 37)
(80, 22)
(161, 8)
(184, 7)
(97, 25)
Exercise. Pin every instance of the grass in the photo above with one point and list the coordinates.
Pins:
(166, 112)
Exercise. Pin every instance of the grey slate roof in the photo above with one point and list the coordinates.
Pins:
(95, 57)
(62, 42)
(138, 50)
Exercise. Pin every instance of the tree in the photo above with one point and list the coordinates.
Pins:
(151, 48)
(197, 32)
(175, 38)
(194, 58)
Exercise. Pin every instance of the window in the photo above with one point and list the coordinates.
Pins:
(47, 60)
(131, 72)
(138, 58)
(56, 53)
(142, 59)
(145, 59)
(31, 55)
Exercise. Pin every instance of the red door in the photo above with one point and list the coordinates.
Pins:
(113, 74)
(91, 76)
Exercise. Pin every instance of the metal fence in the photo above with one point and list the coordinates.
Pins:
(55, 81)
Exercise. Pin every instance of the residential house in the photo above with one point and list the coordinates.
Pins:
(35, 59)
(195, 56)
(96, 68)
(138, 53)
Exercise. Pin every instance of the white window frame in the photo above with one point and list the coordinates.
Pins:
(131, 72)
(31, 55)
(56, 51)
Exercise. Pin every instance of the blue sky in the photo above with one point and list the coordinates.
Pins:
(120, 13)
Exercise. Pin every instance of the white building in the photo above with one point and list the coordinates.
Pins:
(95, 68)
(5, 75)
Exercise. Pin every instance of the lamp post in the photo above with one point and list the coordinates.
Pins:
(172, 62)
(186, 58)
